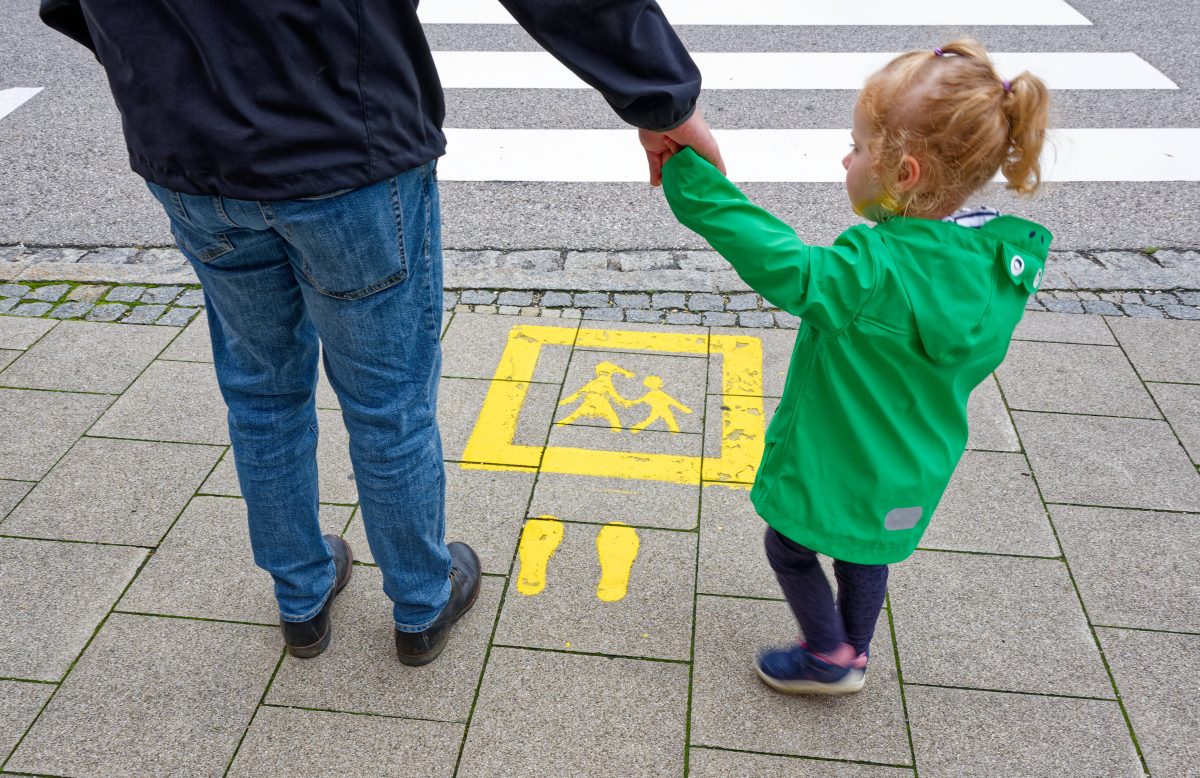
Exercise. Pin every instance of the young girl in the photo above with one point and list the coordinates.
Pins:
(900, 322)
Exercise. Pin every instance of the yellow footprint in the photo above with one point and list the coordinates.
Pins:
(539, 541)
(617, 544)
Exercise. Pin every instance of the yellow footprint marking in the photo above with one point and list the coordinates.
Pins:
(617, 544)
(539, 541)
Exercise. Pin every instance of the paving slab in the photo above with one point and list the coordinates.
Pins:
(652, 620)
(363, 655)
(1180, 403)
(39, 427)
(716, 434)
(732, 559)
(11, 493)
(114, 491)
(20, 704)
(546, 713)
(733, 709)
(1108, 462)
(967, 620)
(8, 356)
(20, 333)
(1064, 328)
(81, 356)
(714, 763)
(335, 473)
(591, 438)
(776, 346)
(474, 344)
(682, 378)
(193, 344)
(204, 567)
(1068, 378)
(290, 741)
(1134, 568)
(601, 500)
(150, 408)
(959, 734)
(53, 597)
(460, 401)
(484, 509)
(599, 336)
(992, 506)
(991, 428)
(153, 696)
(1159, 677)
(1161, 350)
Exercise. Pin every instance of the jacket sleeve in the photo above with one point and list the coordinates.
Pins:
(625, 49)
(66, 16)
(826, 285)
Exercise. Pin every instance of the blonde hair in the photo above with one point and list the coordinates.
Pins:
(952, 111)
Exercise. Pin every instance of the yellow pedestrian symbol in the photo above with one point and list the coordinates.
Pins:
(598, 395)
(660, 406)
(617, 546)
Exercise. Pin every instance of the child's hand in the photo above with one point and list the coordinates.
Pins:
(661, 146)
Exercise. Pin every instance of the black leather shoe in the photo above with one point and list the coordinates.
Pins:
(306, 639)
(421, 648)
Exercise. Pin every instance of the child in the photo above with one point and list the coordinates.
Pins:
(900, 322)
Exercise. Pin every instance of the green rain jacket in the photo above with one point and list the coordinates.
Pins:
(900, 322)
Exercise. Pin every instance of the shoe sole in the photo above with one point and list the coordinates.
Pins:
(315, 649)
(851, 683)
(433, 653)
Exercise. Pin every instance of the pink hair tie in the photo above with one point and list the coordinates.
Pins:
(938, 52)
(1007, 87)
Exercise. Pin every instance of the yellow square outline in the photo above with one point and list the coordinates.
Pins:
(491, 446)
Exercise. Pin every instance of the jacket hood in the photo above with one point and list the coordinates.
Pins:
(950, 273)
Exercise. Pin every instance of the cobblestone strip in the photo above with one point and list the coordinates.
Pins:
(172, 306)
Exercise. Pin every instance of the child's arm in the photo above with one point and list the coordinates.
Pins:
(826, 285)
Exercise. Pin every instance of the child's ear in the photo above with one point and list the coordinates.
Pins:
(909, 173)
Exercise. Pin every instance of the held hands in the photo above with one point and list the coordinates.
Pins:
(661, 146)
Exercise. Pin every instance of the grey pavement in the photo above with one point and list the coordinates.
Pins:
(1046, 627)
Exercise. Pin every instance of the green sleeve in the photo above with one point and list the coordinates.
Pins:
(826, 285)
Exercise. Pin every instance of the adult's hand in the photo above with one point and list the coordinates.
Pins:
(661, 146)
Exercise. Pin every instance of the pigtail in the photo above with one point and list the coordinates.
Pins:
(1026, 103)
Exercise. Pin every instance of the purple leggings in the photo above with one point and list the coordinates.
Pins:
(825, 625)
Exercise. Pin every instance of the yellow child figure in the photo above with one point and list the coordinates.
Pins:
(597, 397)
(660, 404)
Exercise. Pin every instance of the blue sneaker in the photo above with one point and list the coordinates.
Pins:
(796, 670)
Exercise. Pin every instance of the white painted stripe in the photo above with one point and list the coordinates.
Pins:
(12, 99)
(797, 12)
(1157, 154)
(794, 70)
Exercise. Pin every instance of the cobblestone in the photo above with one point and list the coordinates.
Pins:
(680, 317)
(536, 261)
(125, 294)
(485, 309)
(1189, 298)
(31, 309)
(747, 301)
(7, 303)
(643, 316)
(645, 261)
(1062, 306)
(449, 300)
(71, 310)
(703, 261)
(1181, 311)
(177, 317)
(571, 313)
(669, 300)
(55, 255)
(603, 314)
(701, 301)
(88, 293)
(109, 256)
(1142, 311)
(556, 300)
(786, 320)
(145, 314)
(107, 312)
(719, 319)
(756, 319)
(1160, 298)
(591, 300)
(13, 290)
(192, 298)
(161, 295)
(478, 297)
(516, 298)
(1034, 304)
(637, 300)
(1103, 307)
(529, 310)
(585, 260)
(508, 310)
(49, 294)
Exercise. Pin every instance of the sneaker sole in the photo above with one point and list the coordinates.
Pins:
(851, 683)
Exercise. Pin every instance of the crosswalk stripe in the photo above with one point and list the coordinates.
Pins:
(12, 99)
(794, 12)
(1077, 154)
(797, 70)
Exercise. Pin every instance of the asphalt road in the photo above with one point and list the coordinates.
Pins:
(65, 180)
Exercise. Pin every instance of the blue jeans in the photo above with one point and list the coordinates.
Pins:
(360, 273)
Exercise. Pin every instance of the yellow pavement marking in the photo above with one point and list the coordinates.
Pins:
(617, 545)
(491, 443)
(539, 540)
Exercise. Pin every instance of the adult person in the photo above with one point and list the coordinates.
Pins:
(293, 147)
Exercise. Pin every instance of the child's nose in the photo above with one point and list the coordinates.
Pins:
(846, 162)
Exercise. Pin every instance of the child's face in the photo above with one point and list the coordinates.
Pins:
(862, 185)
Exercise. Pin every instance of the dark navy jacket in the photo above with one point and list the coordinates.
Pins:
(275, 99)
